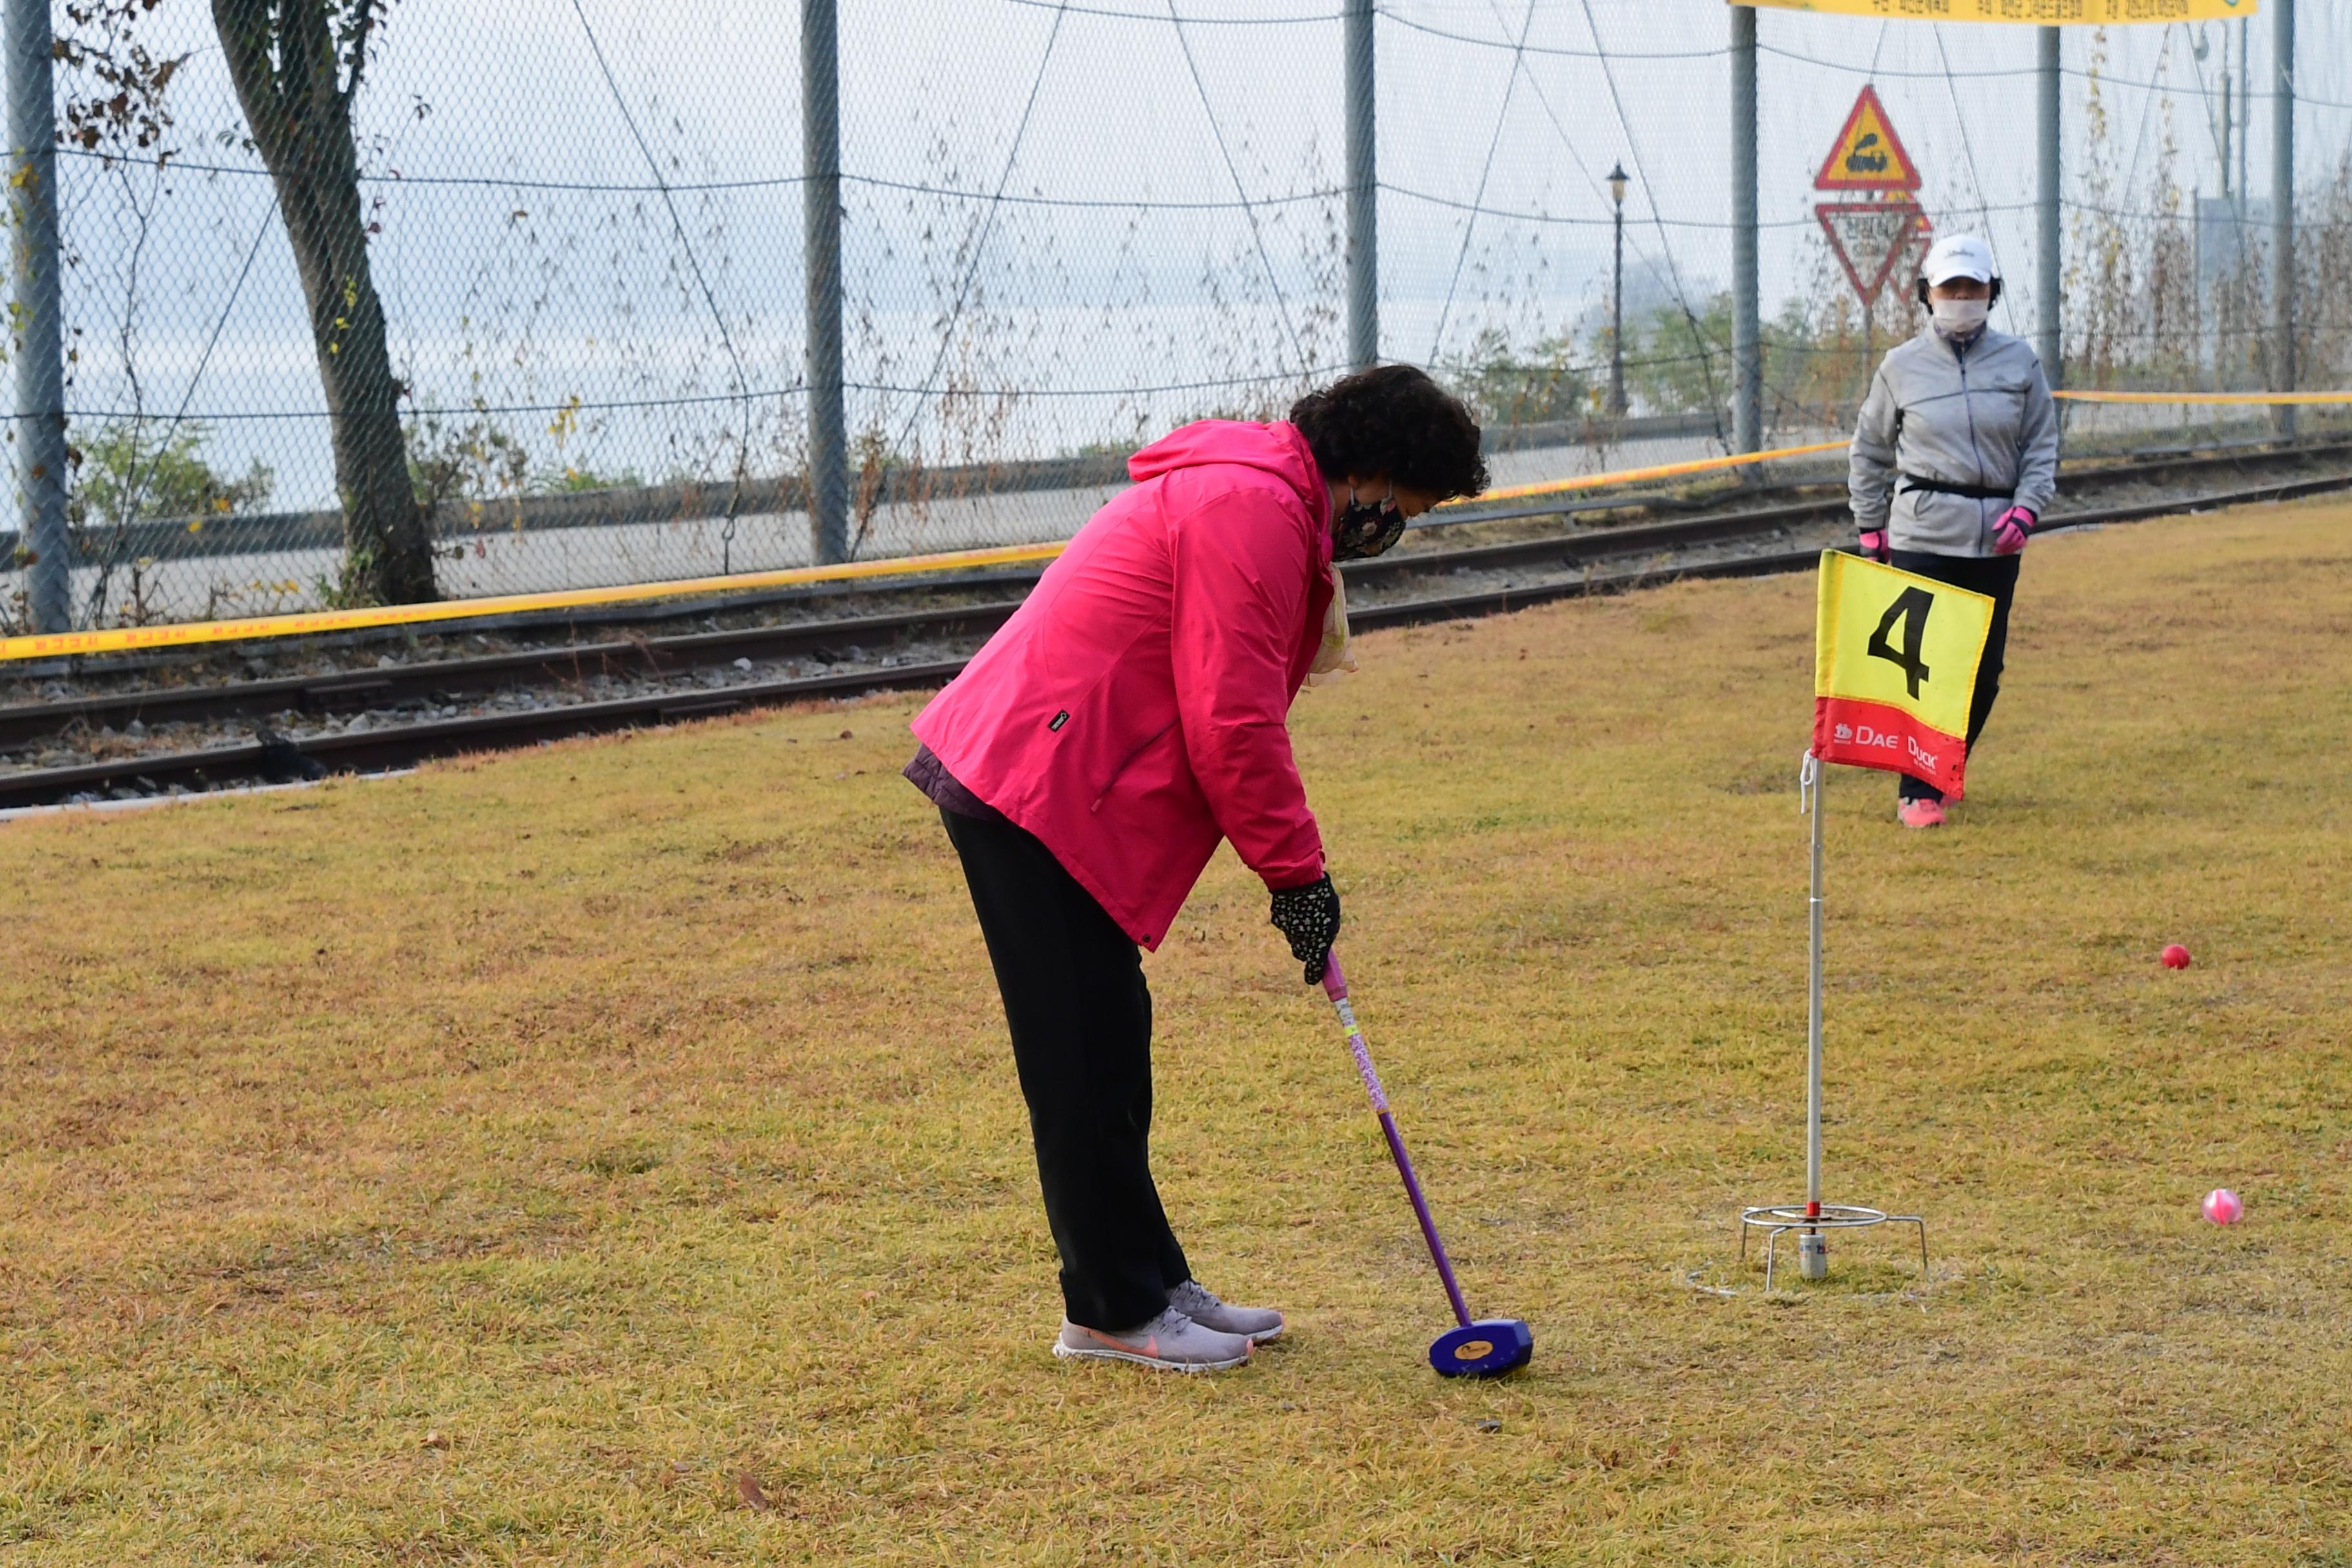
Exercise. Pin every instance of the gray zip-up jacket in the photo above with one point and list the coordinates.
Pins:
(1977, 415)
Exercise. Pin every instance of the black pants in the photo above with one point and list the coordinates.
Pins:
(1995, 576)
(1081, 1022)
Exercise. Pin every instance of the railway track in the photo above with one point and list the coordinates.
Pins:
(1403, 588)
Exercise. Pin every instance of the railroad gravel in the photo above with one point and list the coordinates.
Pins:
(79, 746)
(343, 658)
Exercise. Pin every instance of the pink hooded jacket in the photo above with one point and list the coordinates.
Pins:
(1133, 710)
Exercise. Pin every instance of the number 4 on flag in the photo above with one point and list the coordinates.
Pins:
(1894, 669)
(1910, 608)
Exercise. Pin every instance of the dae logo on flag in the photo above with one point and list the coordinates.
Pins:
(1894, 669)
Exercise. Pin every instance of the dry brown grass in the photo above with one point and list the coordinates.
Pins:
(494, 1165)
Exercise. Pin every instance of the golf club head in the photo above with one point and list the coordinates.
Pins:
(1488, 1348)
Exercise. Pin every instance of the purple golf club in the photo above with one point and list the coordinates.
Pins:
(1486, 1347)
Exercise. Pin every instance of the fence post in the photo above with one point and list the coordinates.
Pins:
(2048, 287)
(2282, 211)
(1364, 190)
(40, 340)
(828, 438)
(1747, 346)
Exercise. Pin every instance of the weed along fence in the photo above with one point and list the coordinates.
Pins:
(921, 276)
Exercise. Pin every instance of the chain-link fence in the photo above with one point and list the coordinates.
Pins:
(1066, 228)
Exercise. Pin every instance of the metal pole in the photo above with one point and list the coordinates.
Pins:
(2049, 287)
(40, 346)
(2283, 210)
(1364, 190)
(1819, 772)
(1617, 322)
(2229, 112)
(828, 434)
(2245, 112)
(1747, 347)
(2197, 290)
(1812, 1255)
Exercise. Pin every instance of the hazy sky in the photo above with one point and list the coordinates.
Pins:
(506, 280)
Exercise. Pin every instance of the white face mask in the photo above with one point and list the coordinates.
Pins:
(1959, 317)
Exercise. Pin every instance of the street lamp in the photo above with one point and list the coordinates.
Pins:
(1617, 179)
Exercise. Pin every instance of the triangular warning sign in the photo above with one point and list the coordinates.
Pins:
(1868, 155)
(1871, 239)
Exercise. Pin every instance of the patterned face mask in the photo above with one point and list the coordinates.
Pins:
(1365, 528)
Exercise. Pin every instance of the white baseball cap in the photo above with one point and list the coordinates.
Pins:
(1959, 255)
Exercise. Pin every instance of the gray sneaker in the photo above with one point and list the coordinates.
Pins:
(1197, 1302)
(1170, 1342)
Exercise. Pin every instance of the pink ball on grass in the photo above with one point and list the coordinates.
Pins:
(2176, 957)
(2223, 1207)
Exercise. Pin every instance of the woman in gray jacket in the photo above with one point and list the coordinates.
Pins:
(1954, 461)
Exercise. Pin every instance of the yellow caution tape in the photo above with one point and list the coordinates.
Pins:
(311, 623)
(1637, 476)
(131, 639)
(2274, 399)
(2047, 13)
(128, 639)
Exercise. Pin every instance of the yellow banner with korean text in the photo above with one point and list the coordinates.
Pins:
(2034, 12)
(1894, 669)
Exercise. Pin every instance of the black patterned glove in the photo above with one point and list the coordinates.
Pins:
(1310, 917)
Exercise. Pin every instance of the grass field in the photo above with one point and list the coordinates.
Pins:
(610, 1153)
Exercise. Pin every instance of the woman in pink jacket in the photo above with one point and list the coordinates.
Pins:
(1130, 714)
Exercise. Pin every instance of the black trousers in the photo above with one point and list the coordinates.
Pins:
(1994, 576)
(1081, 1022)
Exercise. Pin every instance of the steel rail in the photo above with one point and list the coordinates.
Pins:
(632, 619)
(2092, 469)
(272, 757)
(393, 686)
(356, 691)
(438, 681)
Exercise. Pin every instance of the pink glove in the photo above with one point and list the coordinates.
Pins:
(1874, 545)
(2011, 530)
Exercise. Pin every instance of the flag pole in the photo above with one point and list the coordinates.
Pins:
(1856, 736)
(1812, 1255)
(1812, 1220)
(1814, 771)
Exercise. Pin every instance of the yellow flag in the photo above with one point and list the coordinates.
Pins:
(1894, 669)
(2038, 13)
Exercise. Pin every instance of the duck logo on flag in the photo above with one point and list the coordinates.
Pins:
(1895, 669)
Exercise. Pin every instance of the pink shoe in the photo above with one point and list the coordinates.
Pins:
(1921, 814)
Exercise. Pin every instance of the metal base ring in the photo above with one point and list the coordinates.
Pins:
(1777, 1219)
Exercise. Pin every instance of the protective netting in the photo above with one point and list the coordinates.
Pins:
(1068, 228)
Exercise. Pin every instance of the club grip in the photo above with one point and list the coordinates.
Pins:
(1335, 984)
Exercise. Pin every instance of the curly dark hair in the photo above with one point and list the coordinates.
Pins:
(1393, 422)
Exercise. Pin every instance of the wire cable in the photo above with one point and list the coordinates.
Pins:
(1650, 194)
(2205, 92)
(621, 404)
(1968, 146)
(187, 395)
(1193, 21)
(1571, 220)
(2148, 106)
(1281, 304)
(1397, 19)
(1470, 225)
(742, 383)
(979, 250)
(1593, 180)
